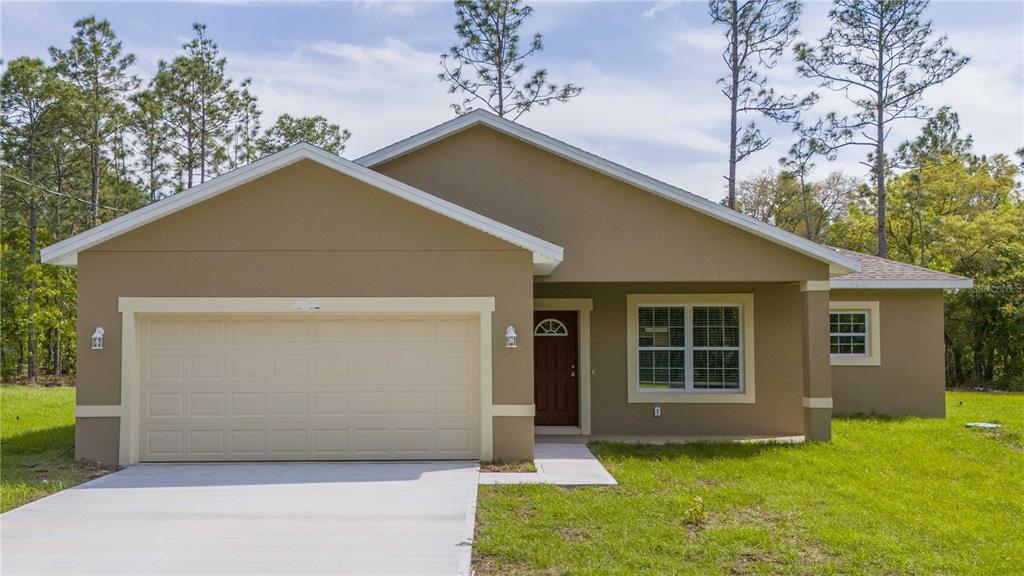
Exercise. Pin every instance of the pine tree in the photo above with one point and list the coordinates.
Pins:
(882, 57)
(29, 94)
(488, 65)
(151, 143)
(756, 33)
(199, 105)
(95, 66)
(315, 130)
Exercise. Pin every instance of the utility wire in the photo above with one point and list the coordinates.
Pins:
(61, 194)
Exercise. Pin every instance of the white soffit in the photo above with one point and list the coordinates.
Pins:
(546, 256)
(839, 264)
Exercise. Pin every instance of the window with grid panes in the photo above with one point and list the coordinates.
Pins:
(689, 347)
(848, 333)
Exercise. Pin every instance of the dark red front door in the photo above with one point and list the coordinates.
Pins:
(555, 375)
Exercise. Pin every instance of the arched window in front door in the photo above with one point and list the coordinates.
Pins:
(550, 327)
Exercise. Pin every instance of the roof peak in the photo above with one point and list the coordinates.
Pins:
(838, 263)
(546, 255)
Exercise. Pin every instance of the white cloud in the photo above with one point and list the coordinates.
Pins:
(381, 92)
(658, 8)
(390, 8)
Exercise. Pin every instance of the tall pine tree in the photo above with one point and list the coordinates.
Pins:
(488, 65)
(98, 69)
(756, 33)
(882, 57)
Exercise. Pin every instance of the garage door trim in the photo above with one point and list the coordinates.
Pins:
(132, 307)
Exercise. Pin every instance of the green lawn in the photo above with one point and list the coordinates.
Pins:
(37, 438)
(887, 496)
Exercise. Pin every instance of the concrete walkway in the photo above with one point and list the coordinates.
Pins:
(564, 464)
(296, 518)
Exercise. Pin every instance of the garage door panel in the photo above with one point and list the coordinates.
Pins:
(354, 387)
(164, 367)
(207, 404)
(207, 331)
(248, 442)
(330, 403)
(205, 442)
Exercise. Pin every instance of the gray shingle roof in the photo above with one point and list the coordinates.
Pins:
(878, 272)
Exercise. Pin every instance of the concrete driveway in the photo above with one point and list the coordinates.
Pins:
(308, 518)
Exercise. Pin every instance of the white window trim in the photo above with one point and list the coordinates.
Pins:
(746, 393)
(874, 338)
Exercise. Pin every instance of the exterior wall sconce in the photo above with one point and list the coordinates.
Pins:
(511, 339)
(97, 339)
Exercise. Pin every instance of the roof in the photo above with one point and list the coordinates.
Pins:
(546, 256)
(878, 272)
(839, 263)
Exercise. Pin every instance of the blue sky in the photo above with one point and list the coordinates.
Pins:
(648, 69)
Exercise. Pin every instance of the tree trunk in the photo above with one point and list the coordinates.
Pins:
(33, 240)
(883, 238)
(805, 193)
(500, 70)
(33, 224)
(59, 364)
(979, 343)
(733, 101)
(94, 167)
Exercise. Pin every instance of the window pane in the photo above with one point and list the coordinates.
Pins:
(716, 326)
(677, 316)
(646, 317)
(662, 369)
(661, 316)
(661, 327)
(716, 369)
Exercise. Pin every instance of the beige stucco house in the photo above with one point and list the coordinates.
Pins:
(456, 293)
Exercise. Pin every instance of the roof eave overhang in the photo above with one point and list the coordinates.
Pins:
(937, 284)
(546, 256)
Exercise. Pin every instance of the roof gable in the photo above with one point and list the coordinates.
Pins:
(838, 263)
(546, 256)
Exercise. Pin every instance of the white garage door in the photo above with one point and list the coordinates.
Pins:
(309, 388)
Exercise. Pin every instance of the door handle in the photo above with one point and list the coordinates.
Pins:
(572, 374)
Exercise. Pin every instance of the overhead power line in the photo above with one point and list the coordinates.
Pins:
(61, 194)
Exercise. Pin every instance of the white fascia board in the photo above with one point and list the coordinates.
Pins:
(546, 256)
(839, 264)
(866, 284)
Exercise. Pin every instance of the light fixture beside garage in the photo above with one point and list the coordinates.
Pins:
(511, 338)
(97, 339)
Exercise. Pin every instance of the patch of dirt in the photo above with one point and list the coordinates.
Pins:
(512, 466)
(810, 551)
(1012, 439)
(572, 533)
(92, 471)
(488, 565)
(751, 561)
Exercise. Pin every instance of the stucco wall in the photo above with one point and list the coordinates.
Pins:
(911, 377)
(778, 348)
(304, 231)
(611, 231)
